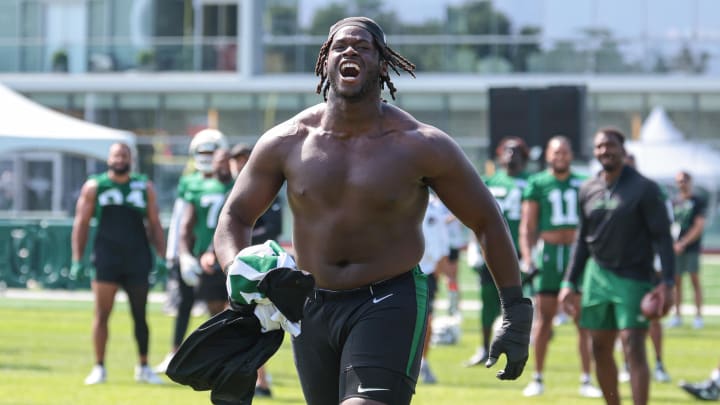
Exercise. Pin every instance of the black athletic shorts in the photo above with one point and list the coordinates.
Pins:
(363, 343)
(121, 265)
(432, 289)
(212, 286)
(453, 254)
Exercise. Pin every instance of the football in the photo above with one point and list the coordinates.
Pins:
(650, 306)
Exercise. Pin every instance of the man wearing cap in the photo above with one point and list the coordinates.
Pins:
(358, 174)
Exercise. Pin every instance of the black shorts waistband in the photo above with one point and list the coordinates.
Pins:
(368, 290)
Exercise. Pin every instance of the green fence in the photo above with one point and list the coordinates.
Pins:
(37, 252)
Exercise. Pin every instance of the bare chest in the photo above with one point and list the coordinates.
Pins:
(365, 173)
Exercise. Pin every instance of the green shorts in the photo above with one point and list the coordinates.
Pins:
(611, 302)
(688, 262)
(551, 265)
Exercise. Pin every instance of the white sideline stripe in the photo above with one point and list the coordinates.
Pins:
(474, 305)
(65, 295)
(159, 297)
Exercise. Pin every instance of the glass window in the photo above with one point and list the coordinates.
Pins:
(38, 190)
(7, 183)
(468, 116)
(185, 113)
(275, 108)
(131, 30)
(416, 102)
(74, 175)
(624, 111)
(138, 112)
(428, 108)
(237, 115)
(671, 101)
(709, 117)
(57, 101)
(680, 109)
(32, 59)
(9, 30)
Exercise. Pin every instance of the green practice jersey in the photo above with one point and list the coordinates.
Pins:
(207, 197)
(557, 200)
(132, 194)
(120, 210)
(187, 181)
(508, 191)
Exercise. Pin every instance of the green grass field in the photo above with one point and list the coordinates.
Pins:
(45, 353)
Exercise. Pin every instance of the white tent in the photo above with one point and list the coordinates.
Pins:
(663, 151)
(28, 126)
(45, 155)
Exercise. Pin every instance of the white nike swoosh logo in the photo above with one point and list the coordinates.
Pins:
(361, 389)
(376, 300)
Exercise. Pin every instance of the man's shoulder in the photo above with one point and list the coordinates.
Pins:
(138, 177)
(542, 177)
(98, 177)
(298, 125)
(592, 182)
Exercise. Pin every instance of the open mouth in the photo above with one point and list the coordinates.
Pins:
(349, 70)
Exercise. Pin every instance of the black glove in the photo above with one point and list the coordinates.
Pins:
(527, 277)
(288, 289)
(513, 337)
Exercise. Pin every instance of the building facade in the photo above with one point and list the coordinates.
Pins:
(166, 68)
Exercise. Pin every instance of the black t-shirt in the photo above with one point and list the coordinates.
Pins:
(622, 225)
(269, 225)
(685, 212)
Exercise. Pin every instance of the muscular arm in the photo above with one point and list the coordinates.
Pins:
(157, 237)
(171, 252)
(579, 256)
(84, 210)
(187, 223)
(254, 190)
(528, 230)
(657, 222)
(458, 185)
(694, 233)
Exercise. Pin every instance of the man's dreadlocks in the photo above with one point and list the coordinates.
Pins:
(387, 54)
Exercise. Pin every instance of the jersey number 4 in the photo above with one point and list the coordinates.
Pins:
(114, 196)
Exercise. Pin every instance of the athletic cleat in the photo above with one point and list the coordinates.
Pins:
(144, 374)
(707, 390)
(588, 390)
(624, 375)
(534, 389)
(561, 319)
(97, 375)
(262, 392)
(698, 323)
(163, 366)
(674, 322)
(480, 357)
(661, 375)
(426, 374)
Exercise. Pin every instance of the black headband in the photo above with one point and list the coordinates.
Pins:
(363, 22)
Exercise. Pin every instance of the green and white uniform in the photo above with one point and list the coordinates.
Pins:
(121, 249)
(508, 191)
(186, 181)
(207, 197)
(558, 208)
